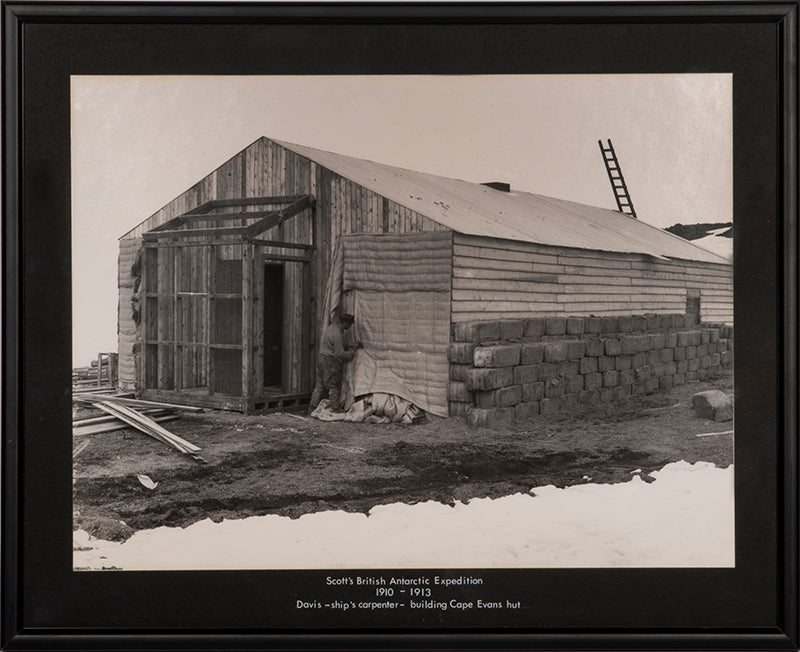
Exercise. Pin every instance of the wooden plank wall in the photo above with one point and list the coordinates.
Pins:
(495, 278)
(342, 207)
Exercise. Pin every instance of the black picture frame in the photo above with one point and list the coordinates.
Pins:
(48, 606)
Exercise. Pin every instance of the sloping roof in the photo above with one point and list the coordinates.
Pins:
(474, 209)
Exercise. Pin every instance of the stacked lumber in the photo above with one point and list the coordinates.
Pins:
(121, 412)
(101, 373)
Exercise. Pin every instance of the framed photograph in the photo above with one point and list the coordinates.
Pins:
(389, 326)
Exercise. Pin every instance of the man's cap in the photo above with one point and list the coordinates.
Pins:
(346, 316)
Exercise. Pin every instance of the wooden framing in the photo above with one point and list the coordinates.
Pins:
(202, 309)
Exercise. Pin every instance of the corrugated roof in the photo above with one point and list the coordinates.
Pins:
(474, 209)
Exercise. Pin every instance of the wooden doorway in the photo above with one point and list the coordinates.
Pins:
(273, 324)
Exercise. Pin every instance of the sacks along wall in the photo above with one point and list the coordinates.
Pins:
(505, 369)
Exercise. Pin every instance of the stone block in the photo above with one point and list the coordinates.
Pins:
(702, 350)
(622, 362)
(608, 394)
(713, 404)
(549, 370)
(498, 355)
(458, 409)
(459, 372)
(548, 406)
(726, 357)
(481, 416)
(457, 391)
(726, 332)
(691, 376)
(658, 369)
(589, 397)
(684, 338)
(532, 392)
(653, 358)
(568, 401)
(508, 396)
(612, 347)
(592, 325)
(653, 322)
(479, 331)
(609, 325)
(639, 360)
(630, 345)
(593, 381)
(638, 323)
(594, 348)
(555, 325)
(689, 320)
(695, 338)
(623, 391)
(575, 325)
(526, 410)
(460, 352)
(624, 324)
(715, 359)
(605, 363)
(588, 365)
(665, 355)
(533, 327)
(485, 379)
(665, 382)
(610, 378)
(704, 336)
(705, 362)
(576, 350)
(532, 353)
(650, 385)
(556, 351)
(679, 379)
(670, 340)
(691, 352)
(569, 369)
(713, 335)
(670, 368)
(573, 384)
(679, 353)
(627, 377)
(512, 329)
(676, 321)
(554, 387)
(682, 366)
(657, 341)
(487, 399)
(504, 415)
(643, 373)
(694, 364)
(526, 374)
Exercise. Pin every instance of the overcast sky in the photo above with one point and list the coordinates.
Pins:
(138, 142)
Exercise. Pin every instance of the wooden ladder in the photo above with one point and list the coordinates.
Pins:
(624, 203)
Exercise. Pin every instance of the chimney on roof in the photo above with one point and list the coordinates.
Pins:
(498, 185)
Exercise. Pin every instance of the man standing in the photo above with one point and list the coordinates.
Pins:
(333, 356)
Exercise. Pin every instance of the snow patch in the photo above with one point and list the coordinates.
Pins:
(685, 518)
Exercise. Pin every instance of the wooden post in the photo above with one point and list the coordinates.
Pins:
(247, 323)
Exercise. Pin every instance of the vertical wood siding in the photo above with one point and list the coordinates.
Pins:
(498, 278)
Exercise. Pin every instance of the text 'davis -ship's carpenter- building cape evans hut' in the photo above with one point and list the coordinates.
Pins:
(225, 291)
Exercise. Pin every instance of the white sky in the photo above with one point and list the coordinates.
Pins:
(138, 142)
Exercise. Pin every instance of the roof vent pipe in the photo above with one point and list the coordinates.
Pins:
(498, 185)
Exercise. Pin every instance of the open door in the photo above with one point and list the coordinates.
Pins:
(273, 324)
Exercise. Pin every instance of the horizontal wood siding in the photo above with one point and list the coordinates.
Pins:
(497, 278)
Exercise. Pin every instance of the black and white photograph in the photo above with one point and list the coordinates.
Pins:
(402, 322)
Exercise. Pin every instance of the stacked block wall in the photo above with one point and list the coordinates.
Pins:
(518, 368)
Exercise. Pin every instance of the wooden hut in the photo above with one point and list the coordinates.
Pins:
(222, 291)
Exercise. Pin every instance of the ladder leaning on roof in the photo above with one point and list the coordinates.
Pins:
(624, 203)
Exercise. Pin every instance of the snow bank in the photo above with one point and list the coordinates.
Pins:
(683, 519)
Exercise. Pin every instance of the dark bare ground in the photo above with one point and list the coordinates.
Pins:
(279, 464)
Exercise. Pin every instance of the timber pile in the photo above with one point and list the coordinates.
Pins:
(101, 373)
(122, 412)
